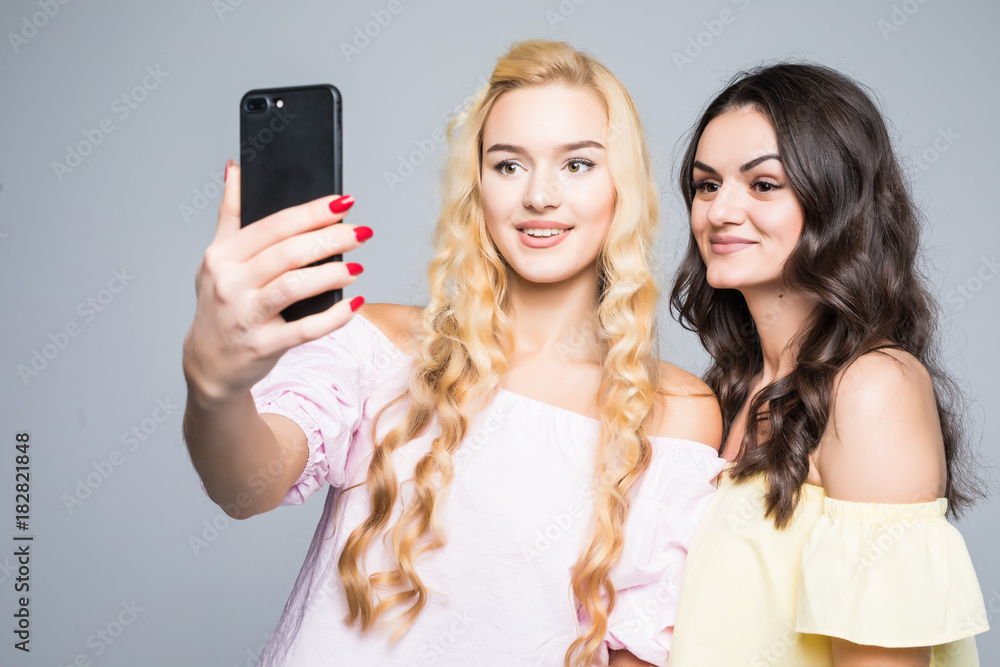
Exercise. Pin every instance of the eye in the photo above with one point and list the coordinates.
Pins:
(579, 166)
(764, 187)
(707, 187)
(507, 167)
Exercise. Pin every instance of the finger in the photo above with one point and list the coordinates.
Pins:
(303, 250)
(229, 209)
(295, 286)
(318, 325)
(289, 222)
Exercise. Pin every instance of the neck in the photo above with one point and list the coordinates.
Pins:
(780, 316)
(557, 318)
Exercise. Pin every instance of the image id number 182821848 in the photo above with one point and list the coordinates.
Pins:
(22, 541)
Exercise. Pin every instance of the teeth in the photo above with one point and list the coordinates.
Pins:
(542, 233)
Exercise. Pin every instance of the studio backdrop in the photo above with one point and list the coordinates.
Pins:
(117, 120)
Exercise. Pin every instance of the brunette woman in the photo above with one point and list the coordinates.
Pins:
(826, 543)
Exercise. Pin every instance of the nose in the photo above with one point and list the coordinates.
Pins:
(727, 206)
(543, 191)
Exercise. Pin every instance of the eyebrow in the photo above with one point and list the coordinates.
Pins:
(565, 148)
(744, 168)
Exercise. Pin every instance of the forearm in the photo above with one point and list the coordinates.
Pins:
(246, 468)
(625, 659)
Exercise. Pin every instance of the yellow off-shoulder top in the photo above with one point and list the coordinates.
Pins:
(870, 573)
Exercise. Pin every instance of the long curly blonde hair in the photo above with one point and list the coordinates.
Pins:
(468, 340)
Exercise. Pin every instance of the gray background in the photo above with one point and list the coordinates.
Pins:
(130, 541)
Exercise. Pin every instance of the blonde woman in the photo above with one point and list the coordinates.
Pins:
(515, 477)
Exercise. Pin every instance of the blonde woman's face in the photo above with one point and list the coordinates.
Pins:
(547, 191)
(744, 216)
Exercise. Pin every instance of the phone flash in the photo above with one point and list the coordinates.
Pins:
(279, 103)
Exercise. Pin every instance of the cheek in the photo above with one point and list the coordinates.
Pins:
(699, 217)
(595, 201)
(785, 226)
(700, 227)
(498, 205)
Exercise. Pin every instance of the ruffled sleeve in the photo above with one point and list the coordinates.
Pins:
(665, 510)
(322, 386)
(888, 575)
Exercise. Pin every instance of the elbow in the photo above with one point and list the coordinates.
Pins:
(244, 505)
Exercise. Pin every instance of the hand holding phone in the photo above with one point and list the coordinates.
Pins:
(249, 276)
(291, 153)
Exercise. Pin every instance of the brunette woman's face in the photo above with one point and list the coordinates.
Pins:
(745, 218)
(547, 192)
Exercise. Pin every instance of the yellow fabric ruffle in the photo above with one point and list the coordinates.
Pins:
(888, 575)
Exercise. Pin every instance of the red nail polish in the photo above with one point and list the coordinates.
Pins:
(225, 176)
(354, 269)
(356, 302)
(363, 233)
(341, 204)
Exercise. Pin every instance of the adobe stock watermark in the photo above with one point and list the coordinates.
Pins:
(560, 14)
(479, 436)
(407, 164)
(560, 525)
(435, 647)
(776, 651)
(275, 299)
(971, 625)
(254, 144)
(900, 16)
(41, 357)
(580, 338)
(105, 637)
(31, 25)
(967, 290)
(204, 195)
(122, 107)
(664, 596)
(257, 483)
(7, 569)
(131, 440)
(254, 656)
(703, 40)
(751, 507)
(365, 33)
(223, 7)
(943, 141)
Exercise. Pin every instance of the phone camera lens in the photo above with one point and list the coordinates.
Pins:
(256, 105)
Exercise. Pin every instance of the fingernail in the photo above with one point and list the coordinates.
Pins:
(354, 269)
(356, 302)
(225, 176)
(342, 203)
(363, 233)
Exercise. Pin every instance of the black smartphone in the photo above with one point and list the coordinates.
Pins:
(290, 153)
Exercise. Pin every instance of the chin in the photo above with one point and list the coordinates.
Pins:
(547, 275)
(723, 280)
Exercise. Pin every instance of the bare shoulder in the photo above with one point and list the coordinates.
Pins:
(883, 441)
(686, 408)
(400, 324)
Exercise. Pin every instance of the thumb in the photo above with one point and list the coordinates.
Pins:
(229, 209)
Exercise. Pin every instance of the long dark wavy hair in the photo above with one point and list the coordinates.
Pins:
(856, 258)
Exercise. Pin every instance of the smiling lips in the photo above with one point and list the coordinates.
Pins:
(723, 244)
(542, 233)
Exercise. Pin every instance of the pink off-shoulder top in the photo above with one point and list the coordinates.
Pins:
(516, 517)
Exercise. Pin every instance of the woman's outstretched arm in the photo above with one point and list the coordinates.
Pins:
(246, 278)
